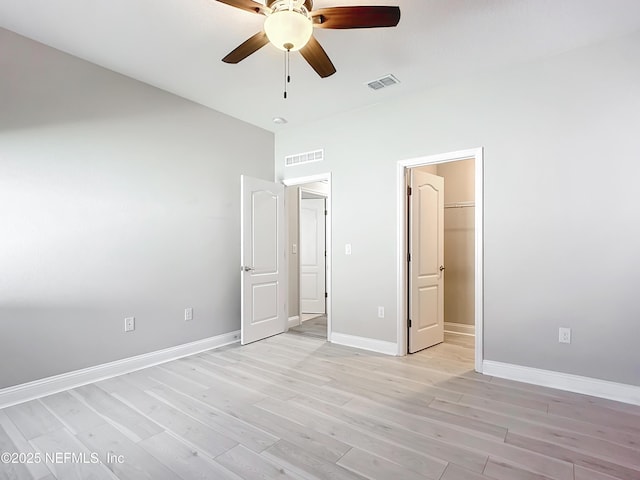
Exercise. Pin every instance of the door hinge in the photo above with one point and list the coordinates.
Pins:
(326, 295)
(409, 323)
(408, 257)
(408, 189)
(326, 212)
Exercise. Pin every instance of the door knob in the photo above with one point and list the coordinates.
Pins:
(441, 268)
(248, 269)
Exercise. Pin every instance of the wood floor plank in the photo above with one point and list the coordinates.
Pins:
(37, 470)
(389, 386)
(184, 461)
(292, 384)
(502, 470)
(138, 464)
(32, 419)
(593, 446)
(374, 467)
(582, 473)
(530, 461)
(419, 462)
(320, 445)
(175, 380)
(83, 463)
(127, 420)
(189, 372)
(249, 465)
(454, 472)
(306, 464)
(489, 391)
(577, 458)
(242, 379)
(430, 420)
(242, 432)
(11, 470)
(374, 425)
(595, 414)
(274, 365)
(180, 424)
(75, 415)
(526, 418)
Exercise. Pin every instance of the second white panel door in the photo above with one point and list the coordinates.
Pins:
(312, 255)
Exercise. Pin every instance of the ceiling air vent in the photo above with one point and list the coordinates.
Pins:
(300, 158)
(383, 82)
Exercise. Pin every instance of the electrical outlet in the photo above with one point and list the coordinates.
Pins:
(188, 314)
(564, 335)
(129, 324)
(294, 249)
(347, 249)
(380, 312)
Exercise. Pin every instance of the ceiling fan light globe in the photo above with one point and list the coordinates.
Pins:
(288, 30)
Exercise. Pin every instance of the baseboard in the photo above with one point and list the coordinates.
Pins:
(371, 344)
(294, 321)
(564, 381)
(58, 383)
(460, 328)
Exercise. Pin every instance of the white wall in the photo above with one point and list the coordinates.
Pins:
(116, 199)
(561, 204)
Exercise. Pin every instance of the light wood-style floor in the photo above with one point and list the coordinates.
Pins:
(313, 327)
(296, 407)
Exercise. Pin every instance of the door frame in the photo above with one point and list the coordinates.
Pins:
(324, 196)
(476, 154)
(321, 177)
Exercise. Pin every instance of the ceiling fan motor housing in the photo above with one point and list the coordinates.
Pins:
(307, 3)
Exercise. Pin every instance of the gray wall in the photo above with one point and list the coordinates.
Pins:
(116, 199)
(561, 204)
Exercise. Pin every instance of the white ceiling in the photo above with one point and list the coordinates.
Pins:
(177, 45)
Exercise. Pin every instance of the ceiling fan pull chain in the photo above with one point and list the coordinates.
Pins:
(287, 76)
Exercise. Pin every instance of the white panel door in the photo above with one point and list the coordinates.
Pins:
(263, 274)
(426, 267)
(312, 255)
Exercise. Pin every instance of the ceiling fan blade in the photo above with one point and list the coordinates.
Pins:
(248, 5)
(245, 49)
(356, 17)
(317, 58)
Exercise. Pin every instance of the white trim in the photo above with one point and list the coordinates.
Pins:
(321, 177)
(371, 344)
(65, 381)
(459, 328)
(564, 381)
(294, 321)
(401, 270)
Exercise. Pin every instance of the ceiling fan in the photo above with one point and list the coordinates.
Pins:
(289, 26)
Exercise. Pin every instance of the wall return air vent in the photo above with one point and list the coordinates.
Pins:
(300, 158)
(383, 82)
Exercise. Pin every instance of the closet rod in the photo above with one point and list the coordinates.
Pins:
(459, 205)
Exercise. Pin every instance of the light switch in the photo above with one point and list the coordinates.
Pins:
(347, 249)
(294, 249)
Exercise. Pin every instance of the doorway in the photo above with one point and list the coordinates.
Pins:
(422, 281)
(308, 210)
